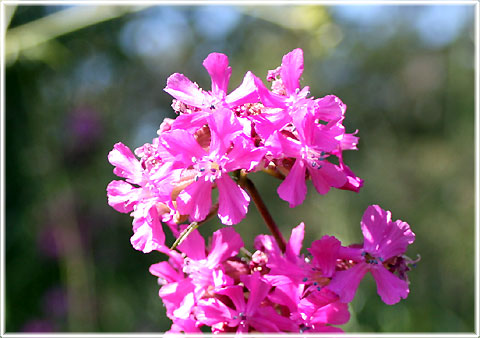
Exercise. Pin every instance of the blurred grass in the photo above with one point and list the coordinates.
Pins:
(69, 101)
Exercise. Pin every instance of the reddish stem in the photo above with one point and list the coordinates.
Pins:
(262, 208)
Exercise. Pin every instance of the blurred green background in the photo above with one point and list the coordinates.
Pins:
(81, 78)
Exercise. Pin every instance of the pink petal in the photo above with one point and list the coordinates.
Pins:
(122, 196)
(325, 138)
(351, 253)
(390, 288)
(244, 155)
(188, 325)
(166, 272)
(345, 283)
(258, 292)
(305, 124)
(185, 309)
(354, 183)
(184, 90)
(289, 146)
(349, 141)
(182, 145)
(285, 272)
(245, 93)
(268, 320)
(212, 311)
(321, 328)
(236, 294)
(149, 233)
(193, 246)
(268, 98)
(325, 254)
(287, 294)
(217, 66)
(269, 122)
(178, 298)
(233, 201)
(329, 108)
(294, 245)
(373, 224)
(329, 175)
(175, 258)
(224, 126)
(323, 297)
(226, 243)
(267, 244)
(196, 200)
(191, 122)
(333, 312)
(382, 236)
(293, 189)
(397, 237)
(126, 164)
(221, 279)
(292, 69)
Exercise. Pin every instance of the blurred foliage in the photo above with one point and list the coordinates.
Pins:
(405, 72)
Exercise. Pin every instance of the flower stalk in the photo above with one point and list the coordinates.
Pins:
(193, 226)
(245, 182)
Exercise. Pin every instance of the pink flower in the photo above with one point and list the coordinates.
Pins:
(293, 268)
(225, 243)
(184, 325)
(311, 150)
(290, 128)
(311, 311)
(288, 92)
(248, 314)
(146, 192)
(319, 310)
(228, 151)
(299, 283)
(197, 273)
(284, 268)
(288, 95)
(384, 241)
(180, 87)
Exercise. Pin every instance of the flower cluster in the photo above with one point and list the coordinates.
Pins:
(283, 132)
(272, 291)
(215, 142)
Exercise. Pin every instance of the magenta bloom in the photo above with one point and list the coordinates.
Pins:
(245, 314)
(199, 265)
(299, 283)
(311, 150)
(146, 192)
(228, 152)
(287, 89)
(305, 129)
(188, 278)
(293, 268)
(288, 95)
(384, 240)
(184, 90)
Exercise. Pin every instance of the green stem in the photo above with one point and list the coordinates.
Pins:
(193, 226)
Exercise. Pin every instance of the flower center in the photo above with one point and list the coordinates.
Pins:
(207, 168)
(313, 157)
(371, 259)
